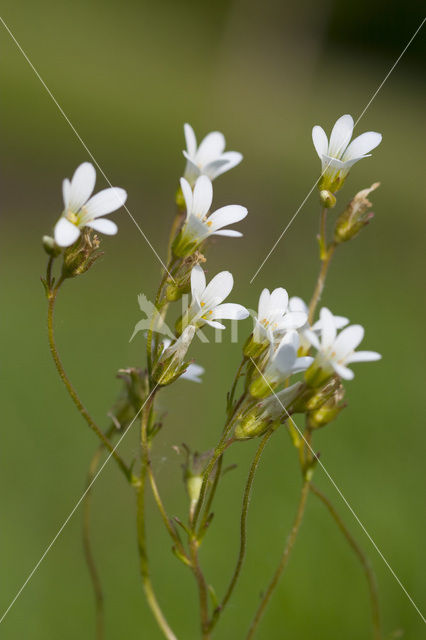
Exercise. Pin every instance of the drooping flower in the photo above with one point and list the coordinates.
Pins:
(81, 210)
(337, 155)
(335, 352)
(198, 226)
(206, 305)
(297, 304)
(282, 363)
(209, 158)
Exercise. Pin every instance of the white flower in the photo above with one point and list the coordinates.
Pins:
(210, 158)
(337, 351)
(197, 226)
(338, 156)
(81, 210)
(274, 315)
(206, 305)
(283, 362)
(193, 373)
(297, 304)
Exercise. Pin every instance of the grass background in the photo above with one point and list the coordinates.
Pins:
(129, 75)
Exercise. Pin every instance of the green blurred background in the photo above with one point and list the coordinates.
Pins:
(128, 75)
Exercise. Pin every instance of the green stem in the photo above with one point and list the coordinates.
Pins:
(243, 528)
(283, 562)
(212, 493)
(202, 587)
(72, 392)
(88, 553)
(326, 254)
(369, 573)
(141, 531)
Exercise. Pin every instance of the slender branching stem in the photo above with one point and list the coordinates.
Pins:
(234, 384)
(283, 562)
(52, 294)
(369, 573)
(87, 546)
(209, 502)
(141, 528)
(243, 526)
(202, 586)
(326, 254)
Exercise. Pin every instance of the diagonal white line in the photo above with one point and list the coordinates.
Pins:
(356, 122)
(82, 142)
(77, 504)
(343, 497)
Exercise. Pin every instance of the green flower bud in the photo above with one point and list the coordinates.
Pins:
(356, 216)
(329, 410)
(327, 198)
(253, 349)
(50, 246)
(261, 388)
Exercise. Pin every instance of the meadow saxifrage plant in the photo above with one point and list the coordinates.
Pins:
(293, 362)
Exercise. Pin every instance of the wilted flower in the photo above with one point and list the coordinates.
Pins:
(356, 215)
(206, 305)
(336, 351)
(209, 158)
(81, 210)
(197, 226)
(338, 156)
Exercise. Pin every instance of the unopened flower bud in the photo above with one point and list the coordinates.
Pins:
(193, 473)
(180, 200)
(50, 246)
(328, 199)
(329, 410)
(356, 215)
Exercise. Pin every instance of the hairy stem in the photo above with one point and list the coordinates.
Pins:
(87, 546)
(326, 254)
(369, 573)
(72, 392)
(283, 562)
(141, 530)
(243, 527)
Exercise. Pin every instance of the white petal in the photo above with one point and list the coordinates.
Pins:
(293, 320)
(105, 202)
(301, 364)
(202, 196)
(187, 194)
(263, 306)
(320, 140)
(82, 185)
(340, 136)
(193, 372)
(228, 161)
(218, 288)
(297, 304)
(65, 232)
(214, 324)
(312, 338)
(363, 356)
(104, 226)
(226, 215)
(190, 139)
(279, 299)
(343, 372)
(191, 170)
(362, 145)
(328, 328)
(285, 358)
(229, 311)
(66, 191)
(227, 232)
(210, 148)
(198, 282)
(348, 340)
(291, 338)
